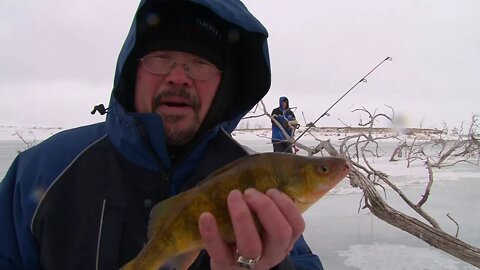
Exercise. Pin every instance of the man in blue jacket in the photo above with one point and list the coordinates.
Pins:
(186, 75)
(283, 127)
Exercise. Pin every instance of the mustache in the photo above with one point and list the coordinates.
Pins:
(177, 92)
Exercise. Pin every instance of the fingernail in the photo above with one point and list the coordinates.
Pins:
(206, 221)
(234, 196)
(250, 193)
(272, 192)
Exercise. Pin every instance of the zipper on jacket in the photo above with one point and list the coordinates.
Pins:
(166, 177)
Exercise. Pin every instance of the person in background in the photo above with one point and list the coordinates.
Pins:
(285, 123)
(186, 75)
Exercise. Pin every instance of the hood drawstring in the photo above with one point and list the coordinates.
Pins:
(100, 108)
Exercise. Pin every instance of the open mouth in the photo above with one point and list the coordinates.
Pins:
(173, 102)
(176, 104)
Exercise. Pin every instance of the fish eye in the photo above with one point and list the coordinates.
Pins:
(324, 169)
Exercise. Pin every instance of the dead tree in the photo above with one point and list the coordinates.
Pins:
(359, 149)
(27, 143)
(409, 151)
(450, 151)
(398, 152)
(466, 146)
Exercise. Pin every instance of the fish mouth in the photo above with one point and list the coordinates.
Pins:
(345, 171)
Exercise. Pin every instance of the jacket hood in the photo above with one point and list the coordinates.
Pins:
(280, 100)
(246, 73)
(245, 80)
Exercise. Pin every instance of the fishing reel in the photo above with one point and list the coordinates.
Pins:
(294, 124)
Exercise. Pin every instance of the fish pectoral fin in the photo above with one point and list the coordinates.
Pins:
(184, 260)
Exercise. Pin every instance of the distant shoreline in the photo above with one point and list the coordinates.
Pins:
(40, 133)
(425, 131)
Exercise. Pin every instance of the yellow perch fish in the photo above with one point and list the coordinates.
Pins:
(173, 228)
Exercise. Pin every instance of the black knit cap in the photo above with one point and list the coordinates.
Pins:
(182, 27)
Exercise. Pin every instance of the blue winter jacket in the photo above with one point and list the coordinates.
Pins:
(282, 116)
(82, 198)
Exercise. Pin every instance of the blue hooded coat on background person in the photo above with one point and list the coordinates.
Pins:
(82, 198)
(282, 116)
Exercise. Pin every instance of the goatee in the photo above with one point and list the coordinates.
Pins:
(175, 136)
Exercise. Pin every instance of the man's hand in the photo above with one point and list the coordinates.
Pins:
(294, 124)
(282, 225)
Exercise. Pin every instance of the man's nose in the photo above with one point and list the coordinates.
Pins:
(178, 76)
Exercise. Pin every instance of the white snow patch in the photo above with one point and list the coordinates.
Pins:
(397, 257)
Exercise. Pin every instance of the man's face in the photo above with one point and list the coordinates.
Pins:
(284, 104)
(181, 101)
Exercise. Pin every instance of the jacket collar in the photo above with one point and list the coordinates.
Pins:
(140, 137)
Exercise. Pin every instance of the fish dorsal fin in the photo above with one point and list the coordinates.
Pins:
(227, 167)
(163, 212)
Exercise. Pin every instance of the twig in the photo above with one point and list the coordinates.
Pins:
(429, 186)
(456, 224)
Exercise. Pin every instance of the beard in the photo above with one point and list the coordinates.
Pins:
(179, 136)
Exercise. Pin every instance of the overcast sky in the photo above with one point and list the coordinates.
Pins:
(57, 58)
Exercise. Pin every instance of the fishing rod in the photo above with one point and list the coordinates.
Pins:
(363, 79)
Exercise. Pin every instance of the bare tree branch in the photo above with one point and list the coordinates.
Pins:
(456, 223)
(429, 186)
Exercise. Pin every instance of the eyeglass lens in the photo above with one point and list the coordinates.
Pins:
(199, 70)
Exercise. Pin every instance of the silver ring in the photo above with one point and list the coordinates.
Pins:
(246, 262)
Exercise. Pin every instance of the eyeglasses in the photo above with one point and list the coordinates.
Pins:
(196, 69)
